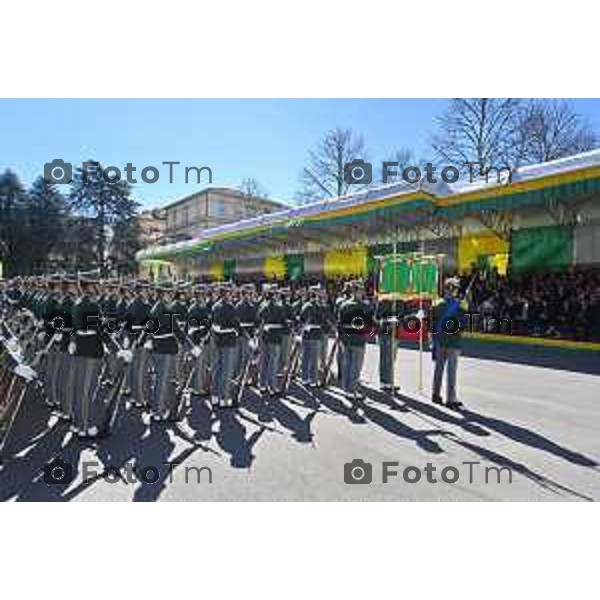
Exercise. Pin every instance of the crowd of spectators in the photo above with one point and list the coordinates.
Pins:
(562, 305)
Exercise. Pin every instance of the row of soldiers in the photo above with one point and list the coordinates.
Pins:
(162, 343)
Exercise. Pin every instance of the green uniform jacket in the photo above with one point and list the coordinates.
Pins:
(87, 328)
(224, 324)
(166, 330)
(355, 319)
(273, 316)
(198, 321)
(312, 318)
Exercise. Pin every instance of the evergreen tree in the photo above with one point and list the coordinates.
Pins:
(112, 211)
(47, 212)
(12, 225)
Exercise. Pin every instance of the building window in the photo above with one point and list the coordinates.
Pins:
(218, 208)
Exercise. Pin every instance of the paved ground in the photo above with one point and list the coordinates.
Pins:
(543, 424)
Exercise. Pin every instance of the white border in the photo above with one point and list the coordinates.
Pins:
(318, 49)
(294, 550)
(309, 49)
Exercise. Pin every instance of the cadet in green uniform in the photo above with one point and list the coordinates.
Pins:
(138, 313)
(272, 316)
(355, 319)
(62, 383)
(387, 317)
(286, 331)
(109, 306)
(198, 332)
(246, 313)
(165, 339)
(312, 323)
(86, 348)
(225, 328)
(345, 295)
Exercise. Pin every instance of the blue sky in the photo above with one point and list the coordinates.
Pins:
(264, 139)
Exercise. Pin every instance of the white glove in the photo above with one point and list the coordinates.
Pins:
(71, 348)
(13, 346)
(196, 352)
(298, 338)
(148, 345)
(26, 372)
(41, 336)
(125, 355)
(253, 345)
(126, 343)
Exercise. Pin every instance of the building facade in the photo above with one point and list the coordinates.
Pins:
(211, 207)
(153, 226)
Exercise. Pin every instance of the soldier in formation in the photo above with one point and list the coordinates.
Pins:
(156, 344)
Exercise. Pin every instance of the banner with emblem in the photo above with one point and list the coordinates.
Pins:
(409, 276)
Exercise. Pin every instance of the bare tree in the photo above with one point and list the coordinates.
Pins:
(251, 188)
(404, 157)
(549, 128)
(323, 175)
(478, 130)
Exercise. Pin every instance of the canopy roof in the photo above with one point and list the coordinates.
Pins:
(383, 210)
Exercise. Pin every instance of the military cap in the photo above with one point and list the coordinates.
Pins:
(164, 286)
(113, 282)
(453, 283)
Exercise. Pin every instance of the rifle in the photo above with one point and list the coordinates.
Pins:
(250, 359)
(187, 378)
(293, 360)
(15, 391)
(329, 362)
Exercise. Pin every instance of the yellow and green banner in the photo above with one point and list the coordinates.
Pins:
(485, 246)
(345, 263)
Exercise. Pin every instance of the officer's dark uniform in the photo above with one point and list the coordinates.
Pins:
(355, 319)
(165, 337)
(86, 348)
(138, 313)
(273, 317)
(225, 335)
(246, 313)
(387, 316)
(198, 323)
(312, 321)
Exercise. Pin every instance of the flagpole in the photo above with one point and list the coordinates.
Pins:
(421, 317)
(395, 328)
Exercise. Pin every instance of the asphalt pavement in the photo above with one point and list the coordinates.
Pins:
(526, 433)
